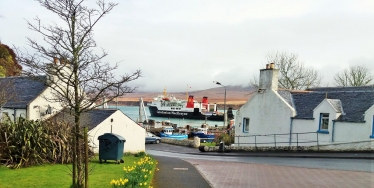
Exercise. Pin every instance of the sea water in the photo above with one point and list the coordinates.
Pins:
(133, 113)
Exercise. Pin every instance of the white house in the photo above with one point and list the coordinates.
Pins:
(32, 100)
(318, 116)
(100, 121)
(28, 99)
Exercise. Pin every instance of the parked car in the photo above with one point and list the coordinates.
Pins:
(151, 138)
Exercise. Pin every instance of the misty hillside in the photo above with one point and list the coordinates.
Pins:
(233, 93)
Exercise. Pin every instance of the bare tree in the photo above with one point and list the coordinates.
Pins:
(78, 77)
(292, 73)
(354, 76)
(254, 81)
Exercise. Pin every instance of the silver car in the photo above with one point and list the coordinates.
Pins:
(151, 138)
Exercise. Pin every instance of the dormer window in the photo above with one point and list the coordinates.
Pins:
(323, 123)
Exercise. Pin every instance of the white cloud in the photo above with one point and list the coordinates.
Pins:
(195, 42)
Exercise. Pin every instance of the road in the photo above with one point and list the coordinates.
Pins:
(362, 165)
(244, 171)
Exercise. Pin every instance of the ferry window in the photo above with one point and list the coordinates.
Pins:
(246, 125)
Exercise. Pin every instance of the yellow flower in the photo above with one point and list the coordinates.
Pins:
(145, 176)
(112, 182)
(145, 183)
(140, 184)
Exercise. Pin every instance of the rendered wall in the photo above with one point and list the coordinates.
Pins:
(268, 114)
(123, 126)
(37, 108)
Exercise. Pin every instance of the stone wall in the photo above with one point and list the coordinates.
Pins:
(352, 146)
(190, 143)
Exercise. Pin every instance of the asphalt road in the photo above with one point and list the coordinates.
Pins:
(166, 150)
(221, 170)
(174, 172)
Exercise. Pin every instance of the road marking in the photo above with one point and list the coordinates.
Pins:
(180, 168)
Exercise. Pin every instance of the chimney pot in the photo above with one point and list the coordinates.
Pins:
(267, 66)
(271, 65)
(55, 60)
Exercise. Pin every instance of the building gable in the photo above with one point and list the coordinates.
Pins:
(25, 90)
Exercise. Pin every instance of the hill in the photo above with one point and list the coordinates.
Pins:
(235, 96)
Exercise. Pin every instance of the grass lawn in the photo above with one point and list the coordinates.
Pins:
(55, 176)
(208, 144)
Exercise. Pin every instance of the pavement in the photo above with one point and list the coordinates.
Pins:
(190, 173)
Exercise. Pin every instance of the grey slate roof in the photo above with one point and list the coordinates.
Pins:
(354, 102)
(25, 89)
(286, 95)
(88, 119)
(336, 103)
(329, 89)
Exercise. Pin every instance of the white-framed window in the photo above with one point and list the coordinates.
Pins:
(246, 125)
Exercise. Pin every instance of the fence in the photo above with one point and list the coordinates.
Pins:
(286, 139)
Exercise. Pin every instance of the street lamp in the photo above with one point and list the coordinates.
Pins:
(224, 105)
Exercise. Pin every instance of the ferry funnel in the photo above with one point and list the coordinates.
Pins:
(190, 103)
(204, 103)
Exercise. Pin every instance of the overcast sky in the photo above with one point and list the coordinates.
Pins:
(194, 42)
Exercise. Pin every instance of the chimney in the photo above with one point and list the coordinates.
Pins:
(269, 78)
(55, 60)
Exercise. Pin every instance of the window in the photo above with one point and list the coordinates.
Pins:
(245, 124)
(323, 123)
(372, 130)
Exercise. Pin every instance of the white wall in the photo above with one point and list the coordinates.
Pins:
(268, 114)
(36, 109)
(38, 106)
(309, 126)
(123, 126)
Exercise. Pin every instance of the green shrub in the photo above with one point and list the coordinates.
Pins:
(27, 143)
(140, 154)
(226, 138)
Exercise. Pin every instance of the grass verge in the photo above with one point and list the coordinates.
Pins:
(59, 175)
(208, 144)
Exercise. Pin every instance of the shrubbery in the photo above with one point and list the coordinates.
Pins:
(226, 138)
(26, 143)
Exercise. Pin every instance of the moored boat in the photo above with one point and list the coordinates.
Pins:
(203, 133)
(168, 132)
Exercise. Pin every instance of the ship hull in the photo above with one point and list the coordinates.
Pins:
(182, 114)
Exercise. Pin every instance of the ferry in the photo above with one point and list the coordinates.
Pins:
(171, 107)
